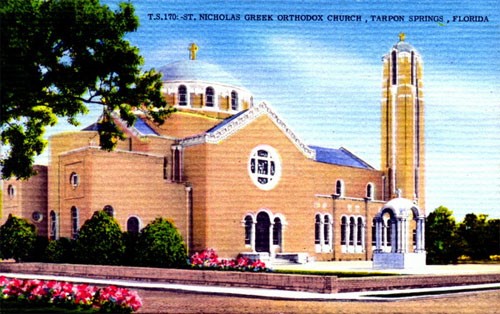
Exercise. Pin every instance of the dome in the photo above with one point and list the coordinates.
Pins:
(401, 206)
(195, 70)
(403, 46)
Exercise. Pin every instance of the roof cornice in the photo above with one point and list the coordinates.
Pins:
(217, 135)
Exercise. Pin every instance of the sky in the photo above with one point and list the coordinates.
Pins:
(324, 77)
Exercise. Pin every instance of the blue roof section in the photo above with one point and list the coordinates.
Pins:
(341, 157)
(226, 121)
(92, 127)
(188, 70)
(143, 128)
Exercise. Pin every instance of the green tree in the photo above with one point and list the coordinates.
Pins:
(56, 58)
(442, 243)
(493, 236)
(99, 241)
(473, 230)
(160, 245)
(17, 239)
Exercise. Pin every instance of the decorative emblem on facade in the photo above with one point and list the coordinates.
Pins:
(264, 167)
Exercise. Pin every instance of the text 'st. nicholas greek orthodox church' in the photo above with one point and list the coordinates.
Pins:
(234, 177)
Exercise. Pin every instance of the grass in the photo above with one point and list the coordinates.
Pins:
(340, 274)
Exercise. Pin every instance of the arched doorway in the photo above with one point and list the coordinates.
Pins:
(262, 231)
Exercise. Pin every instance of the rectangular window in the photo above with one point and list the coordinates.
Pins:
(165, 168)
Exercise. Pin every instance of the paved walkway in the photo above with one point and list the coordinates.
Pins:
(299, 295)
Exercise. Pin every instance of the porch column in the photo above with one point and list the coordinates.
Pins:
(399, 246)
(378, 234)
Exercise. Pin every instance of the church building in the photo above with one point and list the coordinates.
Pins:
(234, 177)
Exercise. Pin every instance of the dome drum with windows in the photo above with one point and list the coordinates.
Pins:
(201, 87)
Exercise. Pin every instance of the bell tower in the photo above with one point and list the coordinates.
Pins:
(402, 125)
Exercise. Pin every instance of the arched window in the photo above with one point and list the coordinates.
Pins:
(394, 67)
(317, 228)
(74, 222)
(369, 191)
(133, 225)
(248, 230)
(359, 240)
(339, 188)
(352, 224)
(74, 180)
(209, 97)
(11, 191)
(277, 231)
(326, 230)
(343, 231)
(234, 100)
(53, 225)
(182, 91)
(108, 209)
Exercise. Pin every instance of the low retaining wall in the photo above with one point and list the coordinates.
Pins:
(321, 284)
(310, 283)
(413, 281)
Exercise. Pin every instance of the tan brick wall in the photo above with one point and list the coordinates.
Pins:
(132, 183)
(30, 196)
(229, 194)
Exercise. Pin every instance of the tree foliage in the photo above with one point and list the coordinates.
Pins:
(17, 239)
(99, 241)
(160, 245)
(480, 236)
(59, 251)
(56, 58)
(441, 243)
(476, 237)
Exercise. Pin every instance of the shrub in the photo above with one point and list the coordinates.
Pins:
(100, 241)
(130, 242)
(29, 294)
(60, 251)
(17, 239)
(38, 253)
(208, 259)
(160, 244)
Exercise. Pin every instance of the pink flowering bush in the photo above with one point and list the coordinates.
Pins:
(35, 292)
(208, 259)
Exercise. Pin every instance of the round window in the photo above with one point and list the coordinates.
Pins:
(37, 216)
(264, 167)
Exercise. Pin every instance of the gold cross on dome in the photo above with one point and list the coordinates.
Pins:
(402, 36)
(193, 48)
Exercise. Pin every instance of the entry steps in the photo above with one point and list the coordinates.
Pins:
(279, 258)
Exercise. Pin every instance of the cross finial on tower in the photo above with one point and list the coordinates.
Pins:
(193, 48)
(402, 36)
